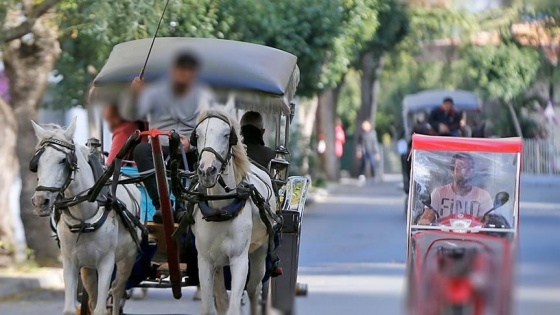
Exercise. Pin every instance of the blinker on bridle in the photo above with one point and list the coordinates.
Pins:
(71, 162)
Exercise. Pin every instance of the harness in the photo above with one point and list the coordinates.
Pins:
(70, 161)
(239, 195)
(107, 201)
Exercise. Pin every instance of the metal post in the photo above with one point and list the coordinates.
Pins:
(278, 129)
(287, 133)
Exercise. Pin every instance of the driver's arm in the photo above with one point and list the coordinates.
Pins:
(429, 216)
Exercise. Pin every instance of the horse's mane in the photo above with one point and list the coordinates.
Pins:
(57, 132)
(241, 164)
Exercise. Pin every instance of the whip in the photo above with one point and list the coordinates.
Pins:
(153, 40)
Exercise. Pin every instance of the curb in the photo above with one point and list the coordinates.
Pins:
(12, 283)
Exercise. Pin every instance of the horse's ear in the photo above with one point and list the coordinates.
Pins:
(40, 132)
(230, 105)
(69, 132)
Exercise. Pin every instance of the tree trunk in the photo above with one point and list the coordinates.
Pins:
(515, 120)
(376, 87)
(307, 111)
(28, 64)
(372, 66)
(9, 166)
(326, 113)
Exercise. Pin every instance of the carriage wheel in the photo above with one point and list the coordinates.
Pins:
(110, 305)
(167, 214)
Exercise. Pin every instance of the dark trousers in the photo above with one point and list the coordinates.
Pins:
(368, 158)
(405, 165)
(145, 162)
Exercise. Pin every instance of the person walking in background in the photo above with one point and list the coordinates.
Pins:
(367, 149)
(340, 138)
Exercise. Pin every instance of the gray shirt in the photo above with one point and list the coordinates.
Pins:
(165, 111)
(367, 142)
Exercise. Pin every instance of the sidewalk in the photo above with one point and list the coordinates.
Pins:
(13, 282)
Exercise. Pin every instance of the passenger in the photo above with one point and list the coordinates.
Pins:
(252, 130)
(340, 138)
(368, 149)
(460, 196)
(445, 120)
(172, 103)
(121, 129)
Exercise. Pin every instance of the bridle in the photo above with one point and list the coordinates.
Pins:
(71, 163)
(233, 140)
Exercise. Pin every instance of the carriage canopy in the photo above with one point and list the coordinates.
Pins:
(418, 106)
(427, 100)
(263, 78)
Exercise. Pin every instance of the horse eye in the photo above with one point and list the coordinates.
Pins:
(62, 161)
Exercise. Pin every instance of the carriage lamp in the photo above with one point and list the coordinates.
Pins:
(94, 146)
(279, 167)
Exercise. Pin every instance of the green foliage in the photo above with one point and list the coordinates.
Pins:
(357, 26)
(90, 29)
(503, 71)
(432, 23)
(394, 26)
(324, 34)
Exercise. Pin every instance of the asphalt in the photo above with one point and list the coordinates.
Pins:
(353, 251)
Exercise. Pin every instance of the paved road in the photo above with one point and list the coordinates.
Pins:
(353, 254)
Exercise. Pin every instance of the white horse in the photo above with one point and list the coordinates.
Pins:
(235, 242)
(63, 168)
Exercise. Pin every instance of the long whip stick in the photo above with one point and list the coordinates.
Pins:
(153, 41)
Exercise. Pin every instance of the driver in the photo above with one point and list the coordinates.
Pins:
(460, 196)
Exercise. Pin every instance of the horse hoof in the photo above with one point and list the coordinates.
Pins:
(196, 296)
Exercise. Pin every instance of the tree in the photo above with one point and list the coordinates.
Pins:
(323, 34)
(503, 72)
(9, 166)
(91, 28)
(357, 28)
(87, 30)
(30, 49)
(393, 28)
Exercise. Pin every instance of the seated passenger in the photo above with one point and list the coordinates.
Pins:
(446, 120)
(460, 196)
(252, 130)
(121, 129)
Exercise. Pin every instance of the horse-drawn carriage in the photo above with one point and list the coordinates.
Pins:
(462, 225)
(245, 77)
(416, 109)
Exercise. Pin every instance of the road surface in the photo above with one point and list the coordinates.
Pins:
(353, 254)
